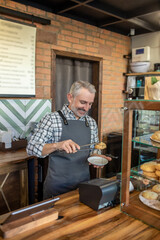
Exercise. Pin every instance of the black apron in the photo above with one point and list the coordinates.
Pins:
(66, 171)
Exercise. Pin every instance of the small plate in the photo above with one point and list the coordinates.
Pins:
(98, 161)
(155, 204)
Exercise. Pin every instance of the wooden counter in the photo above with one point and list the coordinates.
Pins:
(78, 221)
(13, 179)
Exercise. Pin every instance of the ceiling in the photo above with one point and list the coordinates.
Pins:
(143, 16)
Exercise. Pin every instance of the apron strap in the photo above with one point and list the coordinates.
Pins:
(86, 122)
(65, 120)
(63, 117)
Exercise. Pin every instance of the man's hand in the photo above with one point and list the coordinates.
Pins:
(103, 156)
(68, 146)
(100, 155)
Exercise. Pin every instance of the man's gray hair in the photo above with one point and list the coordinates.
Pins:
(78, 85)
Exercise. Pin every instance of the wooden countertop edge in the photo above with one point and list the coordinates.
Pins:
(14, 156)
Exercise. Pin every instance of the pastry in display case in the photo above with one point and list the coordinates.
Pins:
(144, 202)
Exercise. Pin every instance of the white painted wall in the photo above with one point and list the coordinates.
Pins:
(152, 40)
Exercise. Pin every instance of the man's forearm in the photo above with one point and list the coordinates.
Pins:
(68, 146)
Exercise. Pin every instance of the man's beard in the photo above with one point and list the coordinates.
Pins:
(75, 111)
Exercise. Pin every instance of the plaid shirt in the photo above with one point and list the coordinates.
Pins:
(49, 130)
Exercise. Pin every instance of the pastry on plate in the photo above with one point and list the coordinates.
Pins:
(149, 166)
(150, 195)
(156, 188)
(100, 146)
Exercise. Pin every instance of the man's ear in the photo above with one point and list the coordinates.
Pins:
(69, 97)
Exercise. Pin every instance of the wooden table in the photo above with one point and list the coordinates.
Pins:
(13, 179)
(78, 221)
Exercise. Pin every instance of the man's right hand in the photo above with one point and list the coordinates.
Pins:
(68, 146)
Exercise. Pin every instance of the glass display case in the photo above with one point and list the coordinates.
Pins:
(144, 202)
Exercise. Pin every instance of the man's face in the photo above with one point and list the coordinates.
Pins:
(81, 104)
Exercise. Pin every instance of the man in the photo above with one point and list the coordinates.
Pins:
(60, 135)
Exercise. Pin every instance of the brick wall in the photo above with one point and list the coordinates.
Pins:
(77, 37)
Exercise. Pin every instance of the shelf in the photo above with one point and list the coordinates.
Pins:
(145, 140)
(137, 173)
(142, 74)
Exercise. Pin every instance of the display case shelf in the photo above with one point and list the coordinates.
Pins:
(147, 141)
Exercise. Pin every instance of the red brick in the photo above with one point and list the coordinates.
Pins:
(39, 92)
(36, 11)
(71, 27)
(63, 19)
(98, 40)
(47, 92)
(66, 32)
(71, 39)
(43, 58)
(85, 42)
(90, 38)
(47, 65)
(39, 63)
(60, 48)
(78, 46)
(81, 30)
(43, 45)
(79, 24)
(110, 43)
(47, 52)
(45, 83)
(52, 28)
(39, 51)
(61, 37)
(92, 49)
(78, 35)
(43, 70)
(105, 50)
(64, 44)
(39, 76)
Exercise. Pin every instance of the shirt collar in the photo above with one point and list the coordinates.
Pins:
(69, 113)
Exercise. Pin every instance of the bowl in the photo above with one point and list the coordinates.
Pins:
(138, 67)
(98, 161)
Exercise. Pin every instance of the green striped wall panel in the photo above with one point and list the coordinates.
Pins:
(17, 114)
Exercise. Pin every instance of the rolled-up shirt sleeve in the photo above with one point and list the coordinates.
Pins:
(44, 133)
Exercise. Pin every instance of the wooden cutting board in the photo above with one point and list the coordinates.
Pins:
(11, 226)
